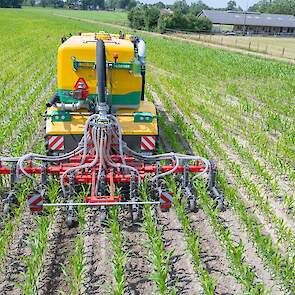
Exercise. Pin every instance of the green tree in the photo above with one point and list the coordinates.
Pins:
(181, 6)
(11, 3)
(136, 18)
(197, 8)
(232, 5)
(151, 17)
(123, 4)
(159, 5)
(132, 4)
(275, 6)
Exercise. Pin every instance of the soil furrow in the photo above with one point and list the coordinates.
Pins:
(268, 228)
(212, 252)
(252, 257)
(61, 242)
(98, 268)
(230, 220)
(285, 185)
(137, 269)
(182, 273)
(213, 255)
(14, 266)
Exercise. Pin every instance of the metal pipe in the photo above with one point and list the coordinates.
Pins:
(100, 71)
(70, 106)
(101, 204)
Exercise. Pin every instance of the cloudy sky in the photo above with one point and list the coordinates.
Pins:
(213, 3)
(222, 3)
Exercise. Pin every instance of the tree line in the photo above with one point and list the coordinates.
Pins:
(72, 4)
(178, 16)
(274, 6)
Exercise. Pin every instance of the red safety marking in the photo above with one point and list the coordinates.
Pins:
(56, 143)
(35, 202)
(148, 143)
(166, 199)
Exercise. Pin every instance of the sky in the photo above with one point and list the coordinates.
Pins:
(212, 3)
(222, 3)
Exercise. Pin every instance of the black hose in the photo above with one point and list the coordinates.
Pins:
(53, 101)
(101, 70)
(142, 83)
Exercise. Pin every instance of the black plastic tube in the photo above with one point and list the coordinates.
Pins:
(101, 70)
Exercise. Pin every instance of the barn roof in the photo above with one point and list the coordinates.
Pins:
(250, 18)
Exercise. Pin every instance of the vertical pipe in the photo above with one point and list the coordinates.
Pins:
(100, 71)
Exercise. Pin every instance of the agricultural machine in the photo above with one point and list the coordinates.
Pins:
(102, 134)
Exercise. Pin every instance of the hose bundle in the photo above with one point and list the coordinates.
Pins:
(101, 134)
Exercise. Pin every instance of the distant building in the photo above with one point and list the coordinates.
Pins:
(165, 11)
(251, 22)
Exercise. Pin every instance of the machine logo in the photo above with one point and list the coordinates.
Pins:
(148, 143)
(56, 143)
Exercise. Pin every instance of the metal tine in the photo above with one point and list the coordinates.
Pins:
(70, 221)
(10, 196)
(135, 212)
(187, 189)
(101, 191)
(165, 197)
(213, 190)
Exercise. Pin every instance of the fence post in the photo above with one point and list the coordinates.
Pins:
(283, 53)
(249, 45)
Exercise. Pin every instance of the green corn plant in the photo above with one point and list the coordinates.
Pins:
(38, 245)
(158, 255)
(74, 271)
(75, 268)
(192, 238)
(119, 254)
(265, 250)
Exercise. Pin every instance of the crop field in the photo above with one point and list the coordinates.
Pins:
(275, 46)
(238, 110)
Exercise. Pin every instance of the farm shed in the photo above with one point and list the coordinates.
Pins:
(251, 22)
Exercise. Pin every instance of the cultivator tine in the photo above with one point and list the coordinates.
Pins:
(44, 176)
(102, 214)
(215, 194)
(11, 196)
(134, 198)
(70, 211)
(165, 197)
(186, 185)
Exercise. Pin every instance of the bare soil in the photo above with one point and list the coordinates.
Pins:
(182, 274)
(60, 245)
(251, 255)
(98, 273)
(14, 267)
(138, 269)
